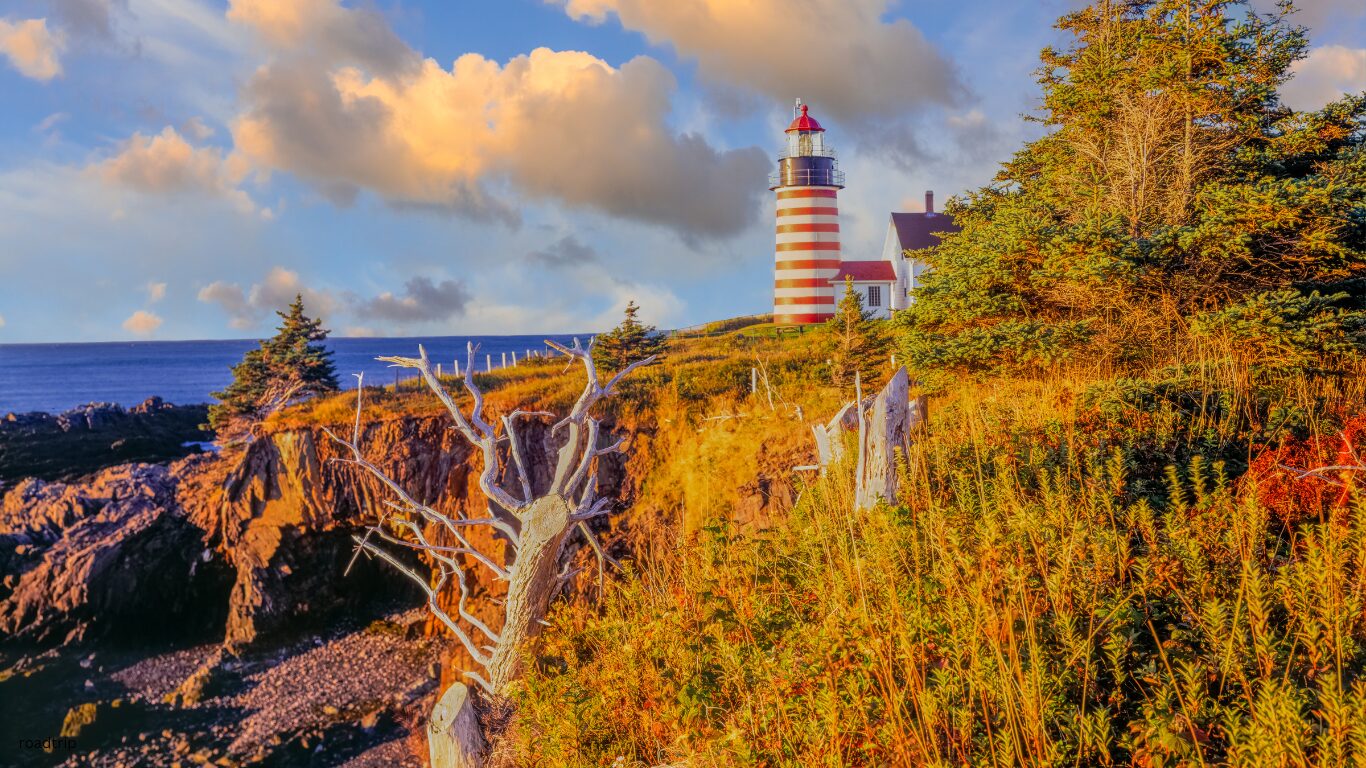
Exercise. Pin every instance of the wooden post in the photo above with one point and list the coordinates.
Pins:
(514, 358)
(503, 356)
(457, 367)
(438, 370)
(488, 362)
(753, 380)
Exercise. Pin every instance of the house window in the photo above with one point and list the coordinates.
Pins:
(874, 295)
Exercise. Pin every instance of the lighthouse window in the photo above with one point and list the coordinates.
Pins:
(874, 295)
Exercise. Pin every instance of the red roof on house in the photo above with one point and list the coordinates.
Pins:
(865, 272)
(804, 122)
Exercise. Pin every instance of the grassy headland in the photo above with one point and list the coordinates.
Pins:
(1082, 570)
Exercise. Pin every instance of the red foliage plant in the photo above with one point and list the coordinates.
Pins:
(1304, 478)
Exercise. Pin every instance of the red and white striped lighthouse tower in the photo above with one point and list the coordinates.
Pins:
(807, 254)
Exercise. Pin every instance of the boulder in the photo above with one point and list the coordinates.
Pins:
(116, 556)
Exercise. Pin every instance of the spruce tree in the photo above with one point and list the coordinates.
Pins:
(630, 341)
(855, 341)
(283, 369)
(1173, 184)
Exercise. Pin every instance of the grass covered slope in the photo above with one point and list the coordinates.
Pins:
(1079, 572)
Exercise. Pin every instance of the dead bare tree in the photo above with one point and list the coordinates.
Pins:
(536, 522)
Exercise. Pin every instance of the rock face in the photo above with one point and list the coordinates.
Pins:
(288, 508)
(116, 556)
(257, 541)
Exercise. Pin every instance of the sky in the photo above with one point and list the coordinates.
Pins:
(178, 169)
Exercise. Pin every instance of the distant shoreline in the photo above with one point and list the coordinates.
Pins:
(86, 439)
(53, 378)
(254, 339)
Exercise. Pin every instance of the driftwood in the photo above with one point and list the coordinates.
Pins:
(536, 523)
(883, 424)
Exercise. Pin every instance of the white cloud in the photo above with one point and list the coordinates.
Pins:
(232, 299)
(155, 292)
(1327, 73)
(327, 31)
(422, 301)
(167, 164)
(50, 122)
(1321, 16)
(365, 112)
(196, 129)
(844, 57)
(142, 323)
(88, 19)
(659, 306)
(246, 308)
(31, 48)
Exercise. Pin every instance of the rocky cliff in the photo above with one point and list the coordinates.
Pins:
(253, 542)
(257, 542)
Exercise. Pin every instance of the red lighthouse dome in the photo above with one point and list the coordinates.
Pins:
(805, 123)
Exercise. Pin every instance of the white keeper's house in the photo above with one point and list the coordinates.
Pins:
(810, 269)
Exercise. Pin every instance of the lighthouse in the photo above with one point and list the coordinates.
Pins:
(807, 251)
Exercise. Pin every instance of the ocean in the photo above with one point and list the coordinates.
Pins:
(56, 377)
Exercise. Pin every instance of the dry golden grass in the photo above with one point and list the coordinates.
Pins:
(1074, 576)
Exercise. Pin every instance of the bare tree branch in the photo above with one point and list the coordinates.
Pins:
(433, 593)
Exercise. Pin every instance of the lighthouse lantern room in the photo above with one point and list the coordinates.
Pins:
(807, 251)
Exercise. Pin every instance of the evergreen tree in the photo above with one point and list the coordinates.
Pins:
(1173, 184)
(855, 341)
(627, 343)
(282, 370)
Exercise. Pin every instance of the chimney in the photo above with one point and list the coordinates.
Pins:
(929, 201)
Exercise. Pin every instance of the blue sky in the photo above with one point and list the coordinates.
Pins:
(178, 168)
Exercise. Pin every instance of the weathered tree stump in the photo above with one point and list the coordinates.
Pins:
(454, 736)
(884, 424)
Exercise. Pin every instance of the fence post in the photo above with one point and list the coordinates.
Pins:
(438, 370)
(457, 367)
(514, 358)
(753, 380)
(488, 362)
